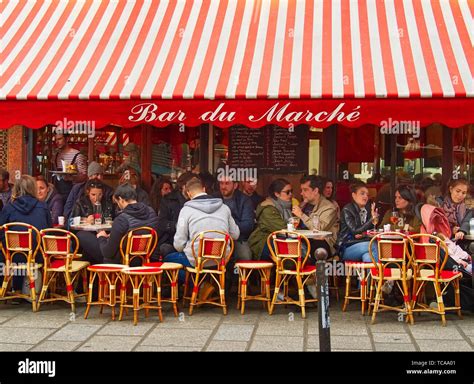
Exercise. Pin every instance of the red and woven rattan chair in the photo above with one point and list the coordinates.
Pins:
(22, 242)
(171, 271)
(429, 268)
(138, 243)
(59, 248)
(214, 251)
(146, 288)
(245, 269)
(394, 264)
(362, 271)
(291, 265)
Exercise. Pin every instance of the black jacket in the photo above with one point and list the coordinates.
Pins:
(242, 211)
(133, 216)
(351, 225)
(77, 191)
(170, 207)
(84, 207)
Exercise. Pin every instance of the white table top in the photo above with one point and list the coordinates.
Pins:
(91, 227)
(321, 235)
(469, 237)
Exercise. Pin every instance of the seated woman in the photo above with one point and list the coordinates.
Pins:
(272, 215)
(454, 207)
(161, 187)
(25, 207)
(329, 193)
(84, 206)
(47, 194)
(405, 203)
(356, 218)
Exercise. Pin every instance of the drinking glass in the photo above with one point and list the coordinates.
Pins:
(316, 223)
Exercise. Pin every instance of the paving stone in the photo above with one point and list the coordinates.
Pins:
(110, 343)
(233, 332)
(293, 328)
(391, 338)
(351, 342)
(4, 347)
(348, 329)
(389, 326)
(59, 346)
(158, 348)
(247, 318)
(125, 328)
(34, 321)
(280, 343)
(190, 322)
(394, 347)
(450, 332)
(4, 319)
(444, 345)
(177, 337)
(24, 335)
(466, 326)
(75, 332)
(227, 346)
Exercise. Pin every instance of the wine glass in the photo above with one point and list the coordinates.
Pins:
(375, 219)
(394, 218)
(316, 223)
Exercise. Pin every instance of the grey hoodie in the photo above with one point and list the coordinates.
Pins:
(200, 214)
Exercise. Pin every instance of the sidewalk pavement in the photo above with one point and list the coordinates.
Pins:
(55, 328)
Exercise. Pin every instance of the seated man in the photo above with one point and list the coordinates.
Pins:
(249, 187)
(201, 213)
(321, 212)
(170, 207)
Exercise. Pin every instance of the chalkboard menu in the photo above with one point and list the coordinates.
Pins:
(270, 149)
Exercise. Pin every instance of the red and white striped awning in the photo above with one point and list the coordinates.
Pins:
(125, 62)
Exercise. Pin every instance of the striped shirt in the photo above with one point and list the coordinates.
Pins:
(80, 161)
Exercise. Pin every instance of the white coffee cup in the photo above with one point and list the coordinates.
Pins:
(386, 228)
(76, 220)
(61, 220)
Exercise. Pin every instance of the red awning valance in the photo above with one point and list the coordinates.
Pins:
(110, 61)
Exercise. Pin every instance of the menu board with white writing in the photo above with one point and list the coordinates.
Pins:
(271, 148)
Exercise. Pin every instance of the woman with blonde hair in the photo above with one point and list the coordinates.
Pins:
(48, 194)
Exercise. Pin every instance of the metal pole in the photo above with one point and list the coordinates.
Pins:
(323, 299)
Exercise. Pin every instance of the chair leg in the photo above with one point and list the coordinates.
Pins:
(407, 302)
(222, 292)
(299, 284)
(275, 292)
(348, 289)
(378, 293)
(439, 300)
(239, 288)
(457, 297)
(194, 294)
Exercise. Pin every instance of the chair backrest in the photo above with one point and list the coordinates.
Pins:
(394, 251)
(21, 239)
(212, 249)
(286, 250)
(59, 247)
(427, 253)
(138, 243)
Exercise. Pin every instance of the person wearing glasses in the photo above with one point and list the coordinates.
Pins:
(272, 215)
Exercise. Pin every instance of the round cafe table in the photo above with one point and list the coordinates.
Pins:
(91, 227)
(316, 235)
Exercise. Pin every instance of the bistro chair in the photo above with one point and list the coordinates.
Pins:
(214, 249)
(146, 288)
(138, 243)
(171, 271)
(362, 271)
(429, 268)
(286, 252)
(59, 248)
(245, 269)
(22, 242)
(393, 265)
(109, 277)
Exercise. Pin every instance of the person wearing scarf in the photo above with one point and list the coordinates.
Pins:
(455, 209)
(272, 215)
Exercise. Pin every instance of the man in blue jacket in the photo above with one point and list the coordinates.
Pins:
(243, 213)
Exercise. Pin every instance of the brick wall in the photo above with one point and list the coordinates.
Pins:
(17, 156)
(3, 148)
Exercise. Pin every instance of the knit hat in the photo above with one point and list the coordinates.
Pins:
(94, 169)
